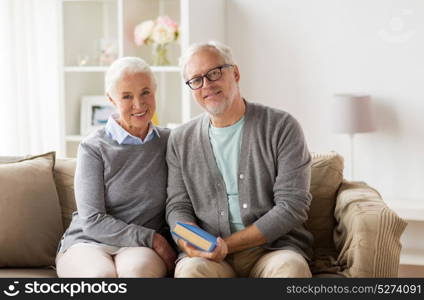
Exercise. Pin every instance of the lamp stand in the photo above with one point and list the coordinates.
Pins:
(352, 155)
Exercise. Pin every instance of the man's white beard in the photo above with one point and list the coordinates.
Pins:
(219, 108)
(215, 109)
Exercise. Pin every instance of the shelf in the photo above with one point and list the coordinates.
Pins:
(410, 213)
(86, 69)
(155, 69)
(74, 138)
(408, 209)
(98, 1)
(412, 257)
(165, 68)
(78, 138)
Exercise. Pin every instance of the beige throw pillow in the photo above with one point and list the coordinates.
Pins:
(326, 177)
(30, 216)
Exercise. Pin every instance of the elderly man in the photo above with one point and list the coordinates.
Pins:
(241, 172)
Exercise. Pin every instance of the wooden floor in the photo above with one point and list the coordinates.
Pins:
(411, 271)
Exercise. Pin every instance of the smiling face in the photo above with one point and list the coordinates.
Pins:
(134, 98)
(216, 97)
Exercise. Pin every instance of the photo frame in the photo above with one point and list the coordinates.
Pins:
(95, 111)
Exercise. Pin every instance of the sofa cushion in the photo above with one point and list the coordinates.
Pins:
(28, 273)
(64, 171)
(30, 216)
(326, 178)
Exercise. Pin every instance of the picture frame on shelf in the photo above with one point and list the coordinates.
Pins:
(95, 111)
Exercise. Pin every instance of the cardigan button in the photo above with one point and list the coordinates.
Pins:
(241, 176)
(244, 205)
(222, 213)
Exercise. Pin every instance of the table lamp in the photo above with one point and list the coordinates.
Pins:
(352, 114)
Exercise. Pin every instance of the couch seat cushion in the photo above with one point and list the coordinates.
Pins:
(64, 171)
(27, 273)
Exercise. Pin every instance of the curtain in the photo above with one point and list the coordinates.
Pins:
(30, 77)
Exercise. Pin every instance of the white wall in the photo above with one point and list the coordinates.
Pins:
(295, 54)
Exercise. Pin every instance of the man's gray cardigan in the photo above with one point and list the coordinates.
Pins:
(273, 179)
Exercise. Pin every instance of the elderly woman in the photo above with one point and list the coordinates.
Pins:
(120, 187)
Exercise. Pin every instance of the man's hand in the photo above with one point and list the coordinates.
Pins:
(165, 251)
(218, 255)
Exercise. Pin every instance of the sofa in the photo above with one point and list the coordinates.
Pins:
(355, 233)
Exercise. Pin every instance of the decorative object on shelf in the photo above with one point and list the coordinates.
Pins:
(108, 52)
(95, 110)
(82, 60)
(159, 34)
(353, 114)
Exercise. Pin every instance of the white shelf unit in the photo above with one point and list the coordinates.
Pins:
(413, 257)
(412, 211)
(85, 69)
(86, 23)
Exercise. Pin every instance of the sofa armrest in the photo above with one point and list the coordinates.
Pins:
(367, 233)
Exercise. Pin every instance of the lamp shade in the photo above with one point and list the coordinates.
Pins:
(353, 114)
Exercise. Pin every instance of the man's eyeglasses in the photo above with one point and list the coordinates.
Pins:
(212, 75)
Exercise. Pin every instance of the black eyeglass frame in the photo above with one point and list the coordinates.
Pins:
(206, 75)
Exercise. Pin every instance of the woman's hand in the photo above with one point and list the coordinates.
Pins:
(218, 254)
(165, 251)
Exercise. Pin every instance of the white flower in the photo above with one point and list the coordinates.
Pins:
(163, 34)
(143, 31)
(165, 20)
(159, 32)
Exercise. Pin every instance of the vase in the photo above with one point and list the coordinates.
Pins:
(160, 55)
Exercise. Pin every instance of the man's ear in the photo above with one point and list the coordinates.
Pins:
(236, 73)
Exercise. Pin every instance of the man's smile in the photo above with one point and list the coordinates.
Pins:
(211, 95)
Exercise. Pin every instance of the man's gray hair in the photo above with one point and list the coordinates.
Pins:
(223, 50)
(123, 66)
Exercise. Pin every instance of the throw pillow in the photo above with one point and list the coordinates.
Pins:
(326, 177)
(30, 215)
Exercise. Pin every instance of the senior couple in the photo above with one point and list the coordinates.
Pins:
(241, 171)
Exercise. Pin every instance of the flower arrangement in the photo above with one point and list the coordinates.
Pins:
(158, 33)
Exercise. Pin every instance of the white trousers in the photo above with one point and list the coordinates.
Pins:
(256, 263)
(98, 261)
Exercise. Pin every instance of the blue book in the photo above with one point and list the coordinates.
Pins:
(196, 236)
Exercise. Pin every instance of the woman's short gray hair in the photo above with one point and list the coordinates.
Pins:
(223, 51)
(123, 66)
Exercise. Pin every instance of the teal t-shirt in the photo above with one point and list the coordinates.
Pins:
(226, 142)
